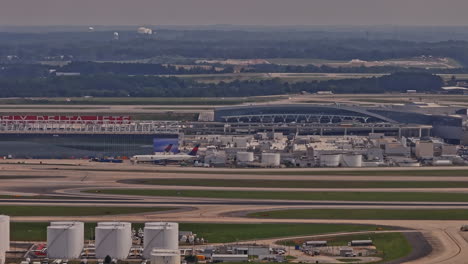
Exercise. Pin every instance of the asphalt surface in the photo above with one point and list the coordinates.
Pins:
(67, 179)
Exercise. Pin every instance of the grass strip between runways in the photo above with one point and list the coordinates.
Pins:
(366, 214)
(298, 195)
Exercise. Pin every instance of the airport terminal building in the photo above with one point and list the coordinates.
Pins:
(348, 120)
(119, 136)
(80, 136)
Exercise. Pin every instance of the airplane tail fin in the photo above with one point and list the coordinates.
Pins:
(168, 148)
(194, 150)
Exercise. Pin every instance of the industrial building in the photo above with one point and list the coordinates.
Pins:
(77, 137)
(411, 120)
(160, 245)
(271, 150)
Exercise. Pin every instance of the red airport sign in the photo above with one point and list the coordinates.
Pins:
(73, 119)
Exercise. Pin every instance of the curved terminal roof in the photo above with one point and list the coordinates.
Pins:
(302, 111)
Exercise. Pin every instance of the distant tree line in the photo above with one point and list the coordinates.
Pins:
(220, 44)
(96, 68)
(151, 86)
(92, 68)
(275, 68)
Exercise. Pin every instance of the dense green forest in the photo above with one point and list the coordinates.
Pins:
(151, 86)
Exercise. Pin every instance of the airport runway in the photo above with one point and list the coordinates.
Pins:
(66, 180)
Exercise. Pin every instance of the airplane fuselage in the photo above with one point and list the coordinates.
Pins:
(162, 157)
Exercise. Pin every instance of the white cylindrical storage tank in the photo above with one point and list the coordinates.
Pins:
(271, 159)
(352, 160)
(330, 160)
(127, 229)
(4, 235)
(64, 241)
(165, 256)
(240, 142)
(160, 235)
(442, 163)
(245, 156)
(79, 225)
(225, 140)
(113, 241)
(409, 164)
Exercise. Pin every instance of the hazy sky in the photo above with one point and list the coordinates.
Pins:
(240, 12)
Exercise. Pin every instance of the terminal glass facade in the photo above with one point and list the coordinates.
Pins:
(56, 146)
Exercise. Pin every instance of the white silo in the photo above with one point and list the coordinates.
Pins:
(351, 160)
(64, 241)
(330, 160)
(79, 225)
(165, 256)
(4, 236)
(243, 157)
(271, 159)
(113, 239)
(127, 229)
(240, 142)
(160, 235)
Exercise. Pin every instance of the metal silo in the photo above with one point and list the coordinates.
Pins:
(243, 157)
(160, 235)
(4, 236)
(127, 229)
(271, 159)
(165, 256)
(79, 225)
(330, 160)
(352, 160)
(64, 241)
(113, 239)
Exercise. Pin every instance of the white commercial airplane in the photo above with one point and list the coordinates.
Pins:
(166, 156)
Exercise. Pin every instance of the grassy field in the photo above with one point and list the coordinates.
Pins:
(301, 61)
(390, 246)
(214, 233)
(141, 100)
(366, 214)
(401, 62)
(286, 77)
(354, 260)
(37, 197)
(284, 195)
(13, 210)
(300, 183)
(384, 101)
